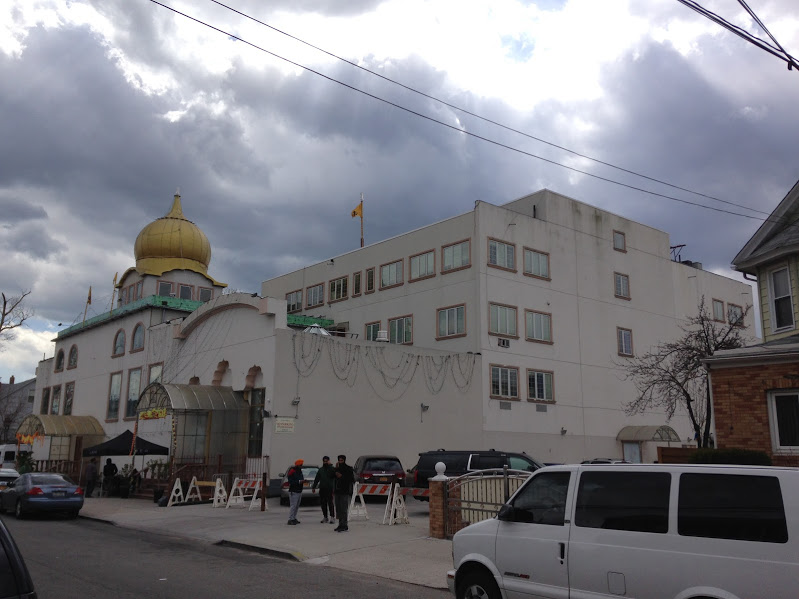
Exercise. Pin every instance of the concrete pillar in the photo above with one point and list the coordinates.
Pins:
(438, 499)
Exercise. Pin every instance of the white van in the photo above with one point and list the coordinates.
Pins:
(8, 454)
(653, 531)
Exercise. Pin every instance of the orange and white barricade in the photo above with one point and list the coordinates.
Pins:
(359, 511)
(243, 488)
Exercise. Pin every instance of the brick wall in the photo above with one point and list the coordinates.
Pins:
(741, 407)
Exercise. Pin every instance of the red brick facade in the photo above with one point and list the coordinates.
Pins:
(740, 405)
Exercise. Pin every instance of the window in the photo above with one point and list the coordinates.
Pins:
(134, 386)
(255, 436)
(452, 321)
(45, 401)
(294, 301)
(400, 330)
(539, 386)
(624, 341)
(55, 404)
(119, 343)
(543, 499)
(356, 283)
(536, 264)
(140, 290)
(155, 373)
(731, 506)
(391, 275)
(501, 255)
(371, 330)
(164, 288)
(206, 294)
(73, 357)
(718, 310)
(502, 320)
(456, 256)
(315, 295)
(338, 289)
(59, 361)
(69, 395)
(123, 296)
(370, 280)
(784, 417)
(138, 338)
(781, 300)
(114, 389)
(735, 315)
(504, 382)
(622, 285)
(423, 266)
(186, 292)
(635, 501)
(538, 326)
(619, 241)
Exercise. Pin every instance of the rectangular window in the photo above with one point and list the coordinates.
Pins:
(781, 300)
(536, 264)
(718, 310)
(134, 386)
(164, 288)
(123, 296)
(154, 376)
(255, 436)
(370, 280)
(423, 265)
(624, 341)
(452, 321)
(538, 326)
(371, 330)
(634, 501)
(206, 294)
(294, 301)
(505, 382)
(622, 285)
(356, 284)
(456, 256)
(619, 241)
(735, 315)
(140, 290)
(338, 288)
(400, 330)
(732, 506)
(391, 274)
(784, 416)
(501, 254)
(502, 320)
(114, 390)
(539, 385)
(45, 409)
(315, 296)
(69, 395)
(185, 292)
(56, 401)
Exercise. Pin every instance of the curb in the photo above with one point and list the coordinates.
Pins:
(297, 557)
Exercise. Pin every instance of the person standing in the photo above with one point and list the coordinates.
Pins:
(295, 478)
(91, 476)
(345, 480)
(325, 480)
(109, 472)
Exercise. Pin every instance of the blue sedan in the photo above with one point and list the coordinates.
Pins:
(39, 492)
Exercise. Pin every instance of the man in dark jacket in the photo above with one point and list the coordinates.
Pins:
(325, 480)
(295, 478)
(345, 480)
(109, 472)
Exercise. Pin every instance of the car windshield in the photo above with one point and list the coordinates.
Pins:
(382, 464)
(49, 479)
(310, 472)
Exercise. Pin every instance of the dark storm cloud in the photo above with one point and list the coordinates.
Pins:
(32, 240)
(16, 209)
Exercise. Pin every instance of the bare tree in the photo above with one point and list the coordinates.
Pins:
(672, 376)
(14, 314)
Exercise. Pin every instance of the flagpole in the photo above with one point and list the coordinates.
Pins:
(88, 301)
(114, 292)
(362, 220)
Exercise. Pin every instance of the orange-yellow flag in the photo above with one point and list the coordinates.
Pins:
(358, 210)
(89, 300)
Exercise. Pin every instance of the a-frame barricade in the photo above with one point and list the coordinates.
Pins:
(176, 496)
(194, 491)
(357, 512)
(396, 510)
(237, 496)
(220, 494)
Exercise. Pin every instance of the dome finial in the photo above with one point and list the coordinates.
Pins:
(177, 209)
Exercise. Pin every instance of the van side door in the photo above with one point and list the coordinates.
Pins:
(533, 536)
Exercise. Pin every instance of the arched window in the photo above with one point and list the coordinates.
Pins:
(138, 338)
(73, 357)
(59, 361)
(119, 343)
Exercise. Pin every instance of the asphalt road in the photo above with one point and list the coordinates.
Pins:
(81, 558)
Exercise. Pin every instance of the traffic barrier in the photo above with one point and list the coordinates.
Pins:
(357, 511)
(220, 494)
(176, 496)
(396, 510)
(194, 488)
(415, 492)
(237, 493)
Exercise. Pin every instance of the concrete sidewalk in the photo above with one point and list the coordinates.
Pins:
(403, 552)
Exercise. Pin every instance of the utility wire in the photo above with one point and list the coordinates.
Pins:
(482, 118)
(458, 129)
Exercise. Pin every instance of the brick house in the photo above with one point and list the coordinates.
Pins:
(755, 389)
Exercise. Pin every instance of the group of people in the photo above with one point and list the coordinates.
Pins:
(110, 470)
(335, 485)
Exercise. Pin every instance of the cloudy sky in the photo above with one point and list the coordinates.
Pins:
(108, 107)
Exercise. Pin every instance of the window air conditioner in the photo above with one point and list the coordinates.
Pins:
(503, 342)
(382, 336)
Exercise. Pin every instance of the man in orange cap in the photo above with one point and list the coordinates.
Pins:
(295, 478)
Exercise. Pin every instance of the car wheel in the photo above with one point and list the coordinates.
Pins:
(478, 585)
(18, 510)
(73, 514)
(284, 501)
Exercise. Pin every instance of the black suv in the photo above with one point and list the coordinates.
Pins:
(461, 462)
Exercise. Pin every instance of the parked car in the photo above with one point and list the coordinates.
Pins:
(39, 492)
(657, 530)
(15, 581)
(309, 473)
(379, 469)
(6, 476)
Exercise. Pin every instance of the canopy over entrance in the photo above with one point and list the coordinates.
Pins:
(190, 398)
(50, 425)
(122, 444)
(663, 433)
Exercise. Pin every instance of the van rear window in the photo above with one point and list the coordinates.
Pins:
(732, 506)
(635, 501)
